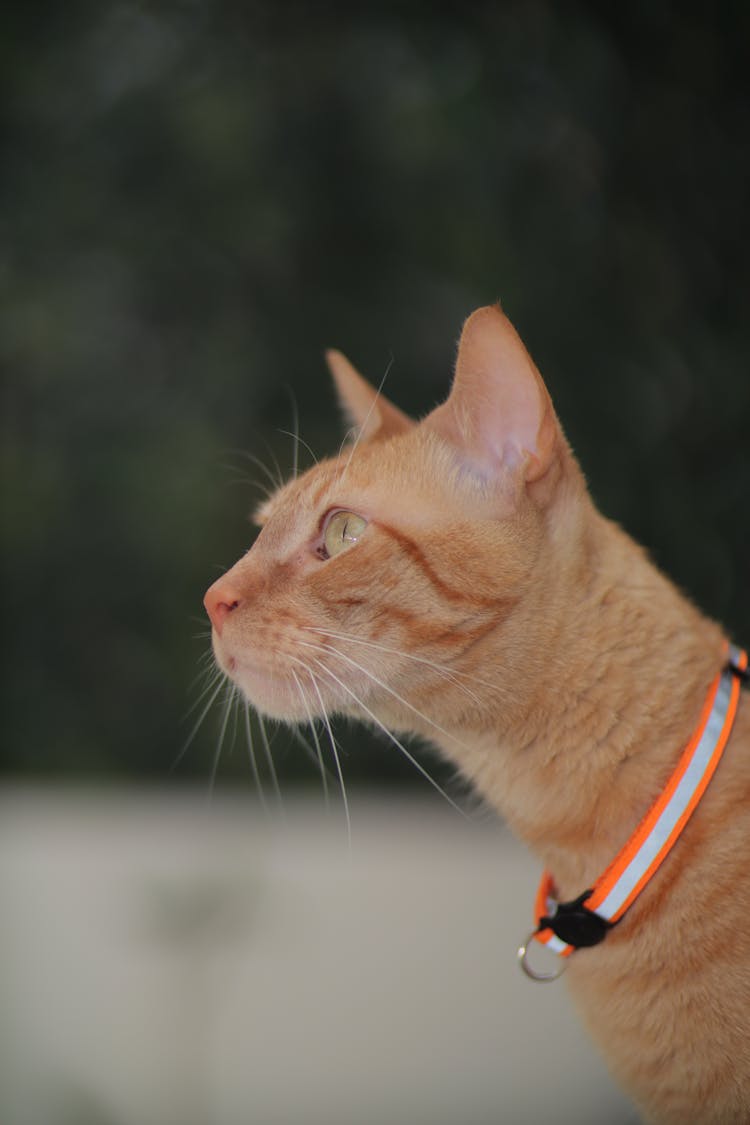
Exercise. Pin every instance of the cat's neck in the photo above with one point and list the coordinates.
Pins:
(605, 690)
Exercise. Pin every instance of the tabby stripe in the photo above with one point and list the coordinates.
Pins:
(415, 553)
(455, 636)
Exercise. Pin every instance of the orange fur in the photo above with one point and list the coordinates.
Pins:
(489, 607)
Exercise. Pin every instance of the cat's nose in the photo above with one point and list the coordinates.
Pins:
(221, 599)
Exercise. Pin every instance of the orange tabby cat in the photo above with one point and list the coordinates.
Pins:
(452, 577)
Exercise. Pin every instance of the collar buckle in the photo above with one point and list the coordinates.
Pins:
(574, 924)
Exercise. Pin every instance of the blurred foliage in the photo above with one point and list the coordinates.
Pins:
(198, 197)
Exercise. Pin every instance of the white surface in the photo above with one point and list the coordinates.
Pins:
(167, 963)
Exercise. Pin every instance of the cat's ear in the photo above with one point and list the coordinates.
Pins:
(499, 414)
(372, 413)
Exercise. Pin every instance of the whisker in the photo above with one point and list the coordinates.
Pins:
(298, 441)
(351, 432)
(237, 697)
(449, 673)
(363, 427)
(210, 675)
(295, 427)
(219, 745)
(337, 759)
(274, 481)
(295, 447)
(270, 763)
(371, 675)
(216, 689)
(253, 759)
(311, 752)
(241, 477)
(208, 659)
(316, 740)
(280, 478)
(409, 757)
(295, 434)
(244, 480)
(250, 482)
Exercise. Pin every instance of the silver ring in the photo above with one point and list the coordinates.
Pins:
(535, 974)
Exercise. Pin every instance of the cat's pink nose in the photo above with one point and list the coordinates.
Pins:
(221, 599)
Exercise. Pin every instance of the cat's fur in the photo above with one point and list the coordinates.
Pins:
(489, 607)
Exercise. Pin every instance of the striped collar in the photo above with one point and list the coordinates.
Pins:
(564, 927)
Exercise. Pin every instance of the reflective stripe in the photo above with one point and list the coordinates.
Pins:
(652, 841)
(614, 893)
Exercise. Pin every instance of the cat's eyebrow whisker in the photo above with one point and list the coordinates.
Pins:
(280, 478)
(298, 441)
(313, 731)
(363, 427)
(449, 673)
(350, 433)
(295, 435)
(266, 490)
(252, 482)
(274, 481)
(366, 671)
(243, 478)
(409, 757)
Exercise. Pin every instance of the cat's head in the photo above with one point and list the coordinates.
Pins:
(384, 577)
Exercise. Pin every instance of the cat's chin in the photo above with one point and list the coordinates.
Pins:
(274, 696)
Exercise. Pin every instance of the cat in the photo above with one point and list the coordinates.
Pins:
(452, 578)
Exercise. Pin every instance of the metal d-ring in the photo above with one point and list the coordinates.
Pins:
(534, 974)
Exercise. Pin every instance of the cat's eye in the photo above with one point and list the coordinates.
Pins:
(342, 531)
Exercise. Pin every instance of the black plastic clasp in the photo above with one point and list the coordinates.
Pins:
(576, 925)
(741, 673)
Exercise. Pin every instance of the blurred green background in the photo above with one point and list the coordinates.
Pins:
(197, 198)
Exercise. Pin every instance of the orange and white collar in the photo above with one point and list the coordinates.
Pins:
(564, 927)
